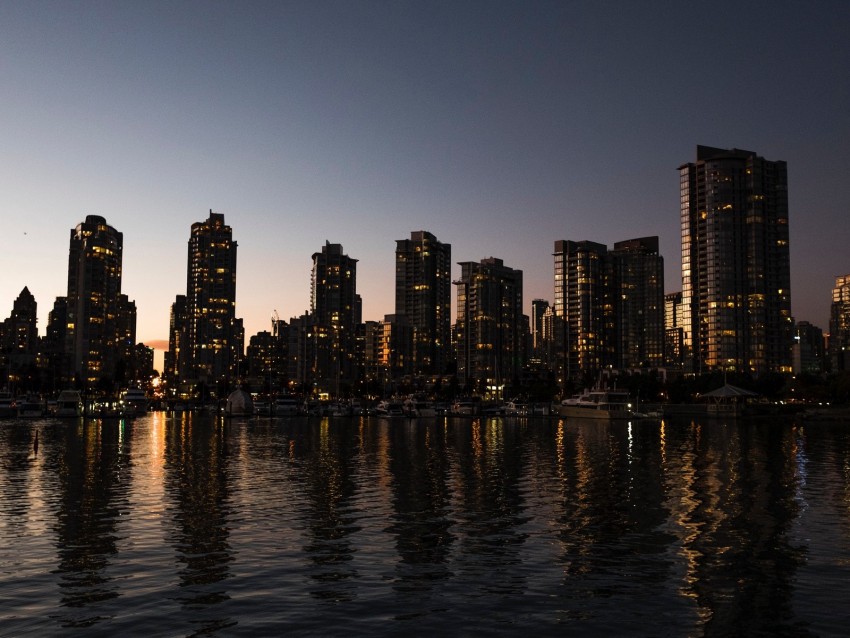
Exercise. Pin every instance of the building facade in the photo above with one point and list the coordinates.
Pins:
(637, 277)
(539, 344)
(839, 325)
(213, 334)
(673, 330)
(19, 343)
(736, 296)
(335, 307)
(808, 350)
(53, 346)
(423, 295)
(489, 330)
(584, 311)
(93, 339)
(175, 359)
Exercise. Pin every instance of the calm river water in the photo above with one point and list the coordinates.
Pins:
(189, 525)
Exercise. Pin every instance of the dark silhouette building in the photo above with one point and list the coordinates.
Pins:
(335, 308)
(489, 332)
(19, 342)
(175, 359)
(808, 350)
(214, 336)
(637, 271)
(96, 310)
(423, 295)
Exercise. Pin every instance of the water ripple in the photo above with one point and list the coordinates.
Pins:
(191, 525)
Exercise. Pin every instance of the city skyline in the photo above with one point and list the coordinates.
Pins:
(498, 131)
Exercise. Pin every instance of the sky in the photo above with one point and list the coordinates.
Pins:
(500, 127)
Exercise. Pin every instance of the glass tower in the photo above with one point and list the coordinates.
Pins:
(736, 298)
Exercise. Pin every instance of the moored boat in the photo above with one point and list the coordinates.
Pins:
(286, 406)
(607, 405)
(7, 405)
(419, 408)
(517, 408)
(69, 404)
(31, 407)
(134, 401)
(465, 407)
(389, 409)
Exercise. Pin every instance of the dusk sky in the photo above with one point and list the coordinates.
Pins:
(499, 127)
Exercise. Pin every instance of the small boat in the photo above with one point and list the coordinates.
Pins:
(69, 404)
(465, 408)
(607, 405)
(419, 408)
(541, 409)
(286, 406)
(134, 401)
(262, 408)
(31, 407)
(389, 409)
(516, 408)
(7, 405)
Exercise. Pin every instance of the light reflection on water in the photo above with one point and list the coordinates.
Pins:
(191, 525)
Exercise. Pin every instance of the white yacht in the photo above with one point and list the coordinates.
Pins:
(607, 405)
(135, 401)
(389, 409)
(69, 404)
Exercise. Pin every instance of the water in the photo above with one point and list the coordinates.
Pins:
(189, 525)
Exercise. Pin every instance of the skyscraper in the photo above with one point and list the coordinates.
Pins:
(673, 329)
(213, 332)
(423, 295)
(736, 295)
(609, 306)
(839, 325)
(54, 345)
(19, 338)
(335, 306)
(538, 345)
(583, 308)
(490, 327)
(637, 271)
(20, 330)
(175, 359)
(94, 302)
(808, 349)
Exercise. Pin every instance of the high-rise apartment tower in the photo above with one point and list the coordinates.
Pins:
(490, 329)
(94, 301)
(213, 337)
(736, 296)
(423, 295)
(335, 307)
(839, 325)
